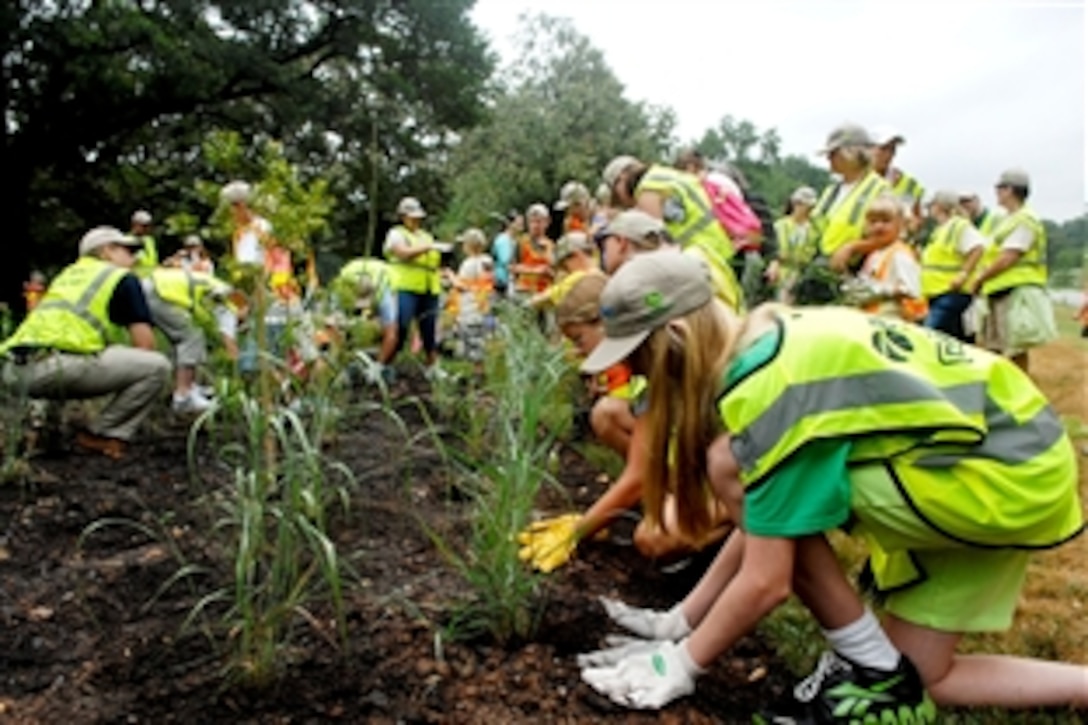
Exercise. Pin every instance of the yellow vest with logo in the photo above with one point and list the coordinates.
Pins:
(73, 316)
(795, 248)
(690, 222)
(941, 259)
(420, 274)
(925, 405)
(1030, 269)
(835, 226)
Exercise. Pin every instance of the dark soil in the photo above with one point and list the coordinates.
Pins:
(88, 634)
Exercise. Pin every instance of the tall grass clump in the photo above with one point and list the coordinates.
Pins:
(275, 517)
(523, 375)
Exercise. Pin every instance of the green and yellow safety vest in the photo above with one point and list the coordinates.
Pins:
(924, 404)
(1030, 268)
(795, 245)
(365, 267)
(420, 274)
(147, 258)
(941, 259)
(690, 221)
(73, 316)
(185, 288)
(906, 187)
(986, 222)
(838, 224)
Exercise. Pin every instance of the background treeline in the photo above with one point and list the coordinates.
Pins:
(107, 104)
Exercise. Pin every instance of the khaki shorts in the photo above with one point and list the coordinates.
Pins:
(964, 589)
(995, 326)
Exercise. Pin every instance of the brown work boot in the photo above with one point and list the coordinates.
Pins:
(111, 447)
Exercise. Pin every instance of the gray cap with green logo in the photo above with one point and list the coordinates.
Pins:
(646, 292)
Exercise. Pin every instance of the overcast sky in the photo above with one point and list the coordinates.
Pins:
(974, 86)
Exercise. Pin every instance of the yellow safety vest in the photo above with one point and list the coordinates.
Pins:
(1030, 269)
(73, 316)
(185, 288)
(907, 188)
(835, 226)
(147, 258)
(420, 274)
(986, 223)
(941, 259)
(690, 221)
(795, 248)
(922, 403)
(365, 267)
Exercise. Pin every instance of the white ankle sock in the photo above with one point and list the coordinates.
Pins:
(863, 641)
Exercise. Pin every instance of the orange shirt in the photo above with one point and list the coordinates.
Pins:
(531, 256)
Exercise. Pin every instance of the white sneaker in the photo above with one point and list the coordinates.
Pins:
(194, 402)
(435, 374)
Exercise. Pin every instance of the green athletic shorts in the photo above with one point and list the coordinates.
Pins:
(964, 589)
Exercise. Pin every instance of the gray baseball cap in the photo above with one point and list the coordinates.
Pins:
(946, 198)
(409, 206)
(644, 294)
(572, 192)
(616, 167)
(570, 243)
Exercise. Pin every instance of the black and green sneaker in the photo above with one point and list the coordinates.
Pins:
(840, 691)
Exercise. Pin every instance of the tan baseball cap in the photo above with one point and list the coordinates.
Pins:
(644, 294)
(572, 192)
(472, 234)
(636, 225)
(582, 302)
(537, 210)
(846, 134)
(410, 207)
(1014, 177)
(192, 240)
(804, 195)
(141, 216)
(616, 167)
(946, 198)
(102, 236)
(570, 243)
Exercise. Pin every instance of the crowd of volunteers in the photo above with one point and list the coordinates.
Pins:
(857, 364)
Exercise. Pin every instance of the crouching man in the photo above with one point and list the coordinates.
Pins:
(69, 347)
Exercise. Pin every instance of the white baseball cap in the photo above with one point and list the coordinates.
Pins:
(103, 236)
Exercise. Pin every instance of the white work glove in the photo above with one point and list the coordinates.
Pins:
(647, 680)
(617, 647)
(648, 623)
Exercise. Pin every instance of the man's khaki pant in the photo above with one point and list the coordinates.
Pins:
(136, 379)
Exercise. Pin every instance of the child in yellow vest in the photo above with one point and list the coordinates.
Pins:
(574, 259)
(890, 279)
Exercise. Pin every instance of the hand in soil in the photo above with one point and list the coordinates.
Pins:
(549, 544)
(618, 647)
(646, 680)
(648, 623)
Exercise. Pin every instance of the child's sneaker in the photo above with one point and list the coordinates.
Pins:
(840, 691)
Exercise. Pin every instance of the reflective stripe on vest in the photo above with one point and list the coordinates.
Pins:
(698, 224)
(1030, 268)
(836, 226)
(907, 187)
(941, 259)
(976, 447)
(73, 315)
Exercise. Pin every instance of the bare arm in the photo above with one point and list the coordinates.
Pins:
(626, 491)
(969, 265)
(407, 252)
(142, 336)
(652, 203)
(1007, 258)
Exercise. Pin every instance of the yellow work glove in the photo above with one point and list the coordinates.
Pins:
(547, 545)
